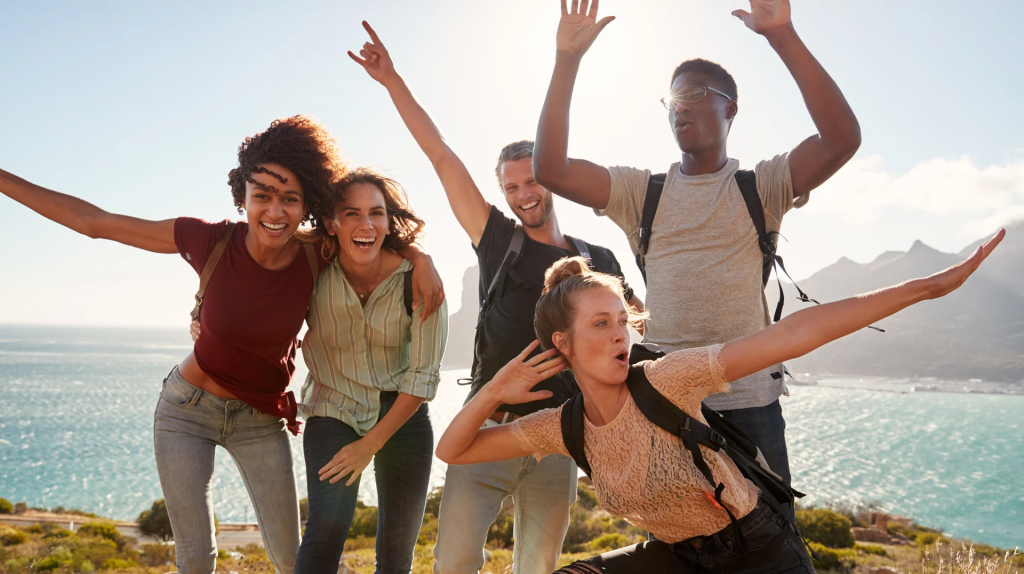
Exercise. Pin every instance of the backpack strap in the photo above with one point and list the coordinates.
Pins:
(512, 255)
(580, 246)
(211, 264)
(314, 267)
(655, 185)
(407, 291)
(572, 431)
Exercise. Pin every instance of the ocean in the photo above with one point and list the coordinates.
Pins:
(76, 420)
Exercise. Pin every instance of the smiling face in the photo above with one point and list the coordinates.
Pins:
(529, 200)
(597, 345)
(705, 125)
(360, 223)
(274, 205)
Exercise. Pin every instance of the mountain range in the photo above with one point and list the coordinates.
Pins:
(977, 332)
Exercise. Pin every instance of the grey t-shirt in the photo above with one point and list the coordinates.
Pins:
(703, 262)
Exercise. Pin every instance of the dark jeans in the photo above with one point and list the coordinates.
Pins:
(766, 427)
(402, 469)
(772, 547)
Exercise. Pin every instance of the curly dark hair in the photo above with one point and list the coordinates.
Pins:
(301, 145)
(404, 226)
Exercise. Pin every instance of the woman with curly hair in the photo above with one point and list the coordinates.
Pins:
(372, 365)
(641, 472)
(231, 390)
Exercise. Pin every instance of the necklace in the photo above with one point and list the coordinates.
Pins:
(380, 268)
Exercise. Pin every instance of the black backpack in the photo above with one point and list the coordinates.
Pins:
(718, 435)
(496, 289)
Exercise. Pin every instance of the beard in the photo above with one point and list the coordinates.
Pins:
(541, 218)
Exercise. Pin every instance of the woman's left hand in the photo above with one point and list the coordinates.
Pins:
(350, 460)
(426, 282)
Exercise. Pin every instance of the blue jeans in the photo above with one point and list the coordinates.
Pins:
(766, 427)
(188, 426)
(542, 492)
(402, 469)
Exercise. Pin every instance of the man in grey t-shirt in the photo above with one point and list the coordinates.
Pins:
(703, 262)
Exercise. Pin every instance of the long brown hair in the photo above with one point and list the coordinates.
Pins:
(556, 307)
(404, 226)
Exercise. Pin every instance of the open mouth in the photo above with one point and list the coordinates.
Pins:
(366, 243)
(274, 228)
(682, 125)
(530, 206)
(622, 358)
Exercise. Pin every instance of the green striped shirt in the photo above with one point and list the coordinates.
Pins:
(355, 352)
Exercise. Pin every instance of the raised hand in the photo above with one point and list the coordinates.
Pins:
(513, 382)
(765, 15)
(375, 58)
(579, 27)
(946, 281)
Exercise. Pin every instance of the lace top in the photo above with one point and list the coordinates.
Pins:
(644, 474)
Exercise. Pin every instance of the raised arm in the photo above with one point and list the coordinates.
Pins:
(820, 156)
(464, 442)
(89, 220)
(577, 180)
(806, 330)
(465, 199)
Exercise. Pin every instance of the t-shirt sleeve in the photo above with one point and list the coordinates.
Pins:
(195, 239)
(775, 186)
(686, 377)
(495, 239)
(626, 201)
(540, 433)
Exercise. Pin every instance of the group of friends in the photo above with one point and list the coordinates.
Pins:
(554, 321)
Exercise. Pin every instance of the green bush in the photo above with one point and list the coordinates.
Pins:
(364, 523)
(434, 502)
(95, 551)
(58, 557)
(585, 496)
(118, 564)
(155, 522)
(501, 533)
(157, 554)
(20, 507)
(6, 507)
(929, 538)
(610, 541)
(102, 530)
(54, 532)
(874, 549)
(825, 527)
(86, 566)
(303, 509)
(10, 536)
(833, 558)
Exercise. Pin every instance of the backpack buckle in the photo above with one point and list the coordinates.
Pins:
(717, 438)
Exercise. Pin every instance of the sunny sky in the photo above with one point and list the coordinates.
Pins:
(140, 108)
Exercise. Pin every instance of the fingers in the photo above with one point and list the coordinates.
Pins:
(742, 15)
(583, 6)
(537, 396)
(438, 300)
(593, 9)
(529, 349)
(575, 7)
(604, 22)
(565, 10)
(358, 60)
(373, 35)
(991, 244)
(536, 360)
(553, 370)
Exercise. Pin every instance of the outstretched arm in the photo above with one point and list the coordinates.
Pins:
(577, 180)
(806, 330)
(464, 442)
(465, 199)
(820, 156)
(89, 220)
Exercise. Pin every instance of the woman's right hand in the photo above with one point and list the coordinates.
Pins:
(948, 280)
(512, 384)
(194, 330)
(375, 58)
(579, 27)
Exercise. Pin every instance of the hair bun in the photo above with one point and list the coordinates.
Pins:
(565, 268)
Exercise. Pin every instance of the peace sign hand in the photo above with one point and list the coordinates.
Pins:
(375, 58)
(578, 28)
(512, 384)
(765, 15)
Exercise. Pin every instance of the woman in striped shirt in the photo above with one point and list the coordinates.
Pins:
(372, 365)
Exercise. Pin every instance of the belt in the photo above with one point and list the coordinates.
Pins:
(502, 417)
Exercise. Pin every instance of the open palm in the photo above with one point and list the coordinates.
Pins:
(765, 15)
(375, 58)
(516, 379)
(948, 280)
(579, 27)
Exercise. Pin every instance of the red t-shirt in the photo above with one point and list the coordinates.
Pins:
(250, 317)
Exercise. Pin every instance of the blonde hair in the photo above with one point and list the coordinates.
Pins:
(556, 309)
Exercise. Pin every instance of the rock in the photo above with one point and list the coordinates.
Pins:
(885, 570)
(870, 535)
(880, 521)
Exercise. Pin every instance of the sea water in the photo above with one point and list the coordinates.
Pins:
(76, 430)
